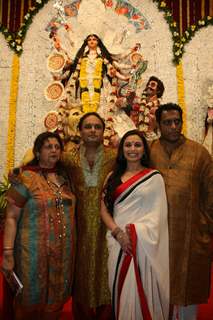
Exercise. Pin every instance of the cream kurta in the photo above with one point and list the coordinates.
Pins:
(188, 176)
(91, 276)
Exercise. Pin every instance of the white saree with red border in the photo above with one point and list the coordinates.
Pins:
(140, 283)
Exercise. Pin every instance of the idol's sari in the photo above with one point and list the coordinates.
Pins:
(140, 283)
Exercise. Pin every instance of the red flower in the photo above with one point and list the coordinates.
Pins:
(142, 24)
(135, 16)
(122, 10)
(109, 3)
(136, 107)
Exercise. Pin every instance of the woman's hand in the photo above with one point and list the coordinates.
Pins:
(8, 260)
(10, 227)
(123, 239)
(125, 242)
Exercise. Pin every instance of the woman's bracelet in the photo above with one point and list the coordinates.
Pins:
(117, 233)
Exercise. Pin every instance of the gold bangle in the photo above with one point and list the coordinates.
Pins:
(7, 248)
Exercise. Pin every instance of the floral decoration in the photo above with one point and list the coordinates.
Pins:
(121, 7)
(4, 186)
(134, 16)
(12, 112)
(15, 39)
(181, 93)
(179, 41)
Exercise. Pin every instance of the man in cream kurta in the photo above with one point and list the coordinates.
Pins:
(187, 169)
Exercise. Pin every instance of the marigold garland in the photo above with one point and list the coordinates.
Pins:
(91, 103)
(12, 113)
(181, 93)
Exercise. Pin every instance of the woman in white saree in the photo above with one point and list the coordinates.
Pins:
(134, 209)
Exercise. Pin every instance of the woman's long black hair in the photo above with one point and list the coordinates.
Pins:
(104, 52)
(120, 167)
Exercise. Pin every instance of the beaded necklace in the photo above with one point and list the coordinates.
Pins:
(55, 188)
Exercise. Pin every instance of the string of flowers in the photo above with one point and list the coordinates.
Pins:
(173, 26)
(12, 113)
(179, 41)
(181, 93)
(15, 39)
(178, 46)
(190, 32)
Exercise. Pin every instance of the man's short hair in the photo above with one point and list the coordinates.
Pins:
(168, 107)
(88, 114)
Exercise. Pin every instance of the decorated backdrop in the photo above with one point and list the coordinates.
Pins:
(176, 39)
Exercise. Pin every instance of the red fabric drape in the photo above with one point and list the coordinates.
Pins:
(192, 12)
(15, 13)
(174, 7)
(198, 13)
(4, 13)
(12, 14)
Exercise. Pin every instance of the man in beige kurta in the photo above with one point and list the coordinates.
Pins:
(187, 169)
(89, 165)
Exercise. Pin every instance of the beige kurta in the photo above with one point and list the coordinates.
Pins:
(91, 276)
(188, 176)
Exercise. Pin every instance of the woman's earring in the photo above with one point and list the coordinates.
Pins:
(37, 156)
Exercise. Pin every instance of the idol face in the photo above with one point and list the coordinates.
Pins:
(151, 88)
(92, 42)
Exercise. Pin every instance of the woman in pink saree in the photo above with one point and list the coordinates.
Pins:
(134, 209)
